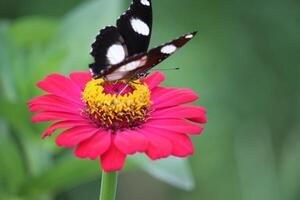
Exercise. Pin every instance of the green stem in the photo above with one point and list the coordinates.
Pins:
(108, 186)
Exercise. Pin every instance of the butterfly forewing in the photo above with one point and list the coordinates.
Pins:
(143, 62)
(160, 53)
(108, 49)
(135, 25)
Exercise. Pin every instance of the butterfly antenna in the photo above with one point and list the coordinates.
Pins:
(169, 69)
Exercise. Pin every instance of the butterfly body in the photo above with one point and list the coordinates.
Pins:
(120, 51)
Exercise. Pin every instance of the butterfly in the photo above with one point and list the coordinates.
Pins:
(120, 52)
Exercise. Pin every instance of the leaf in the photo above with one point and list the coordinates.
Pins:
(36, 156)
(175, 171)
(32, 31)
(12, 172)
(71, 171)
(64, 174)
(256, 163)
(6, 80)
(17, 116)
(28, 38)
(290, 165)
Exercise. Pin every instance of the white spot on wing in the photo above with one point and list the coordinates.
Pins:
(189, 36)
(145, 2)
(115, 54)
(130, 66)
(139, 26)
(168, 49)
(115, 76)
(133, 65)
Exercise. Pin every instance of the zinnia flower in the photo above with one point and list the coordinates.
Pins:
(102, 122)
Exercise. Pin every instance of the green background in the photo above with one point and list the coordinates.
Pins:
(244, 64)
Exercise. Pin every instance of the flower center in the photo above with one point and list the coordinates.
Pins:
(115, 105)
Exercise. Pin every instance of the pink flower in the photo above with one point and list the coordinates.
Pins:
(108, 121)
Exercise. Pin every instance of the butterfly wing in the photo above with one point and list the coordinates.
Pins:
(135, 25)
(162, 52)
(108, 49)
(142, 63)
(131, 36)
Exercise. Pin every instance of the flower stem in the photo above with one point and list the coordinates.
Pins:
(108, 186)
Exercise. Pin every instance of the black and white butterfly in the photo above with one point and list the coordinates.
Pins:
(120, 51)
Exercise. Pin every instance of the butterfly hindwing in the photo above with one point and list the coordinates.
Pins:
(108, 49)
(142, 63)
(127, 69)
(135, 25)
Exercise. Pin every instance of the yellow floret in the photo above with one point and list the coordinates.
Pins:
(111, 110)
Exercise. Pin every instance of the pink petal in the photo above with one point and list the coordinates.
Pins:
(182, 145)
(168, 97)
(177, 125)
(95, 146)
(63, 124)
(130, 142)
(54, 100)
(154, 79)
(74, 136)
(201, 120)
(61, 86)
(81, 78)
(52, 116)
(162, 93)
(189, 112)
(56, 108)
(159, 90)
(159, 147)
(113, 159)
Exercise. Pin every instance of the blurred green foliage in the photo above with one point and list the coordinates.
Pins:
(244, 64)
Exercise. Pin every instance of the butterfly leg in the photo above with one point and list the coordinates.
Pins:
(132, 78)
(120, 93)
(127, 84)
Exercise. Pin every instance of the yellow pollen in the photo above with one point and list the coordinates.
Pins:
(116, 111)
